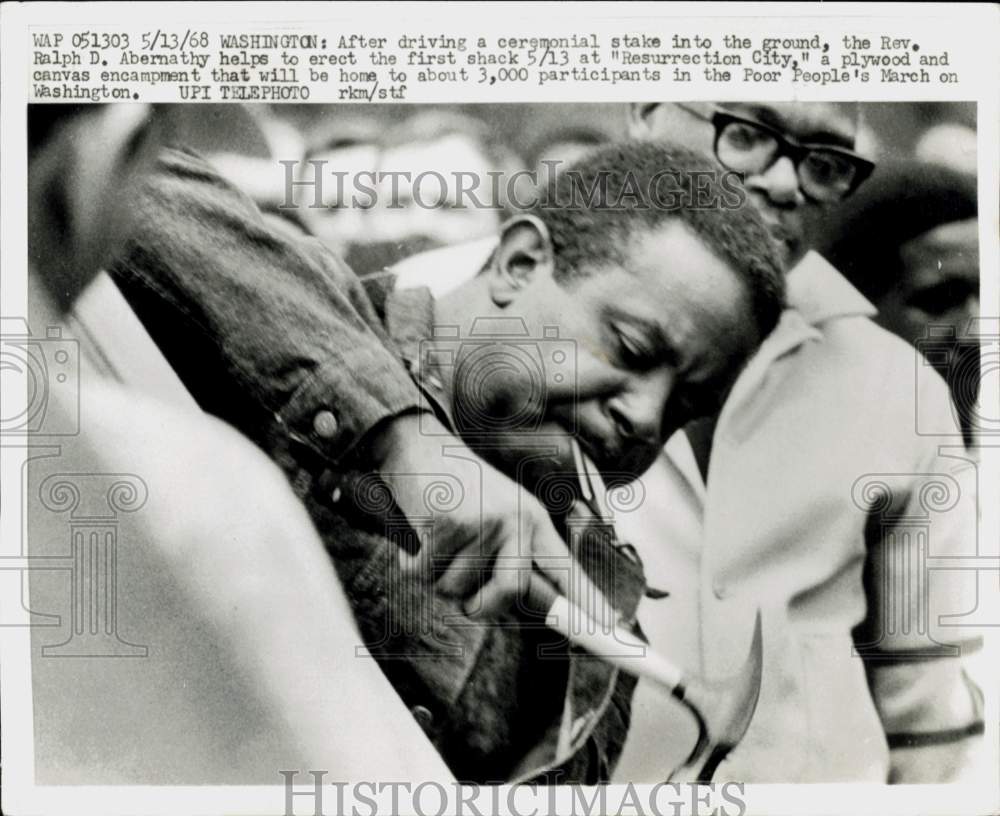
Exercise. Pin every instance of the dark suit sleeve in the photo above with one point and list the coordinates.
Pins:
(266, 331)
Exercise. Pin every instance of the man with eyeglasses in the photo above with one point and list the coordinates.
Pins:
(811, 495)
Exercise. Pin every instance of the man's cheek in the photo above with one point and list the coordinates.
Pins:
(561, 415)
(530, 457)
(630, 466)
(553, 437)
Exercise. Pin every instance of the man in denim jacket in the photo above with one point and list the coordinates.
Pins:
(636, 319)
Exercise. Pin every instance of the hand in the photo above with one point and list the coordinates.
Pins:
(496, 529)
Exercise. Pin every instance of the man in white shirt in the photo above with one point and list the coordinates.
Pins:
(815, 465)
(818, 467)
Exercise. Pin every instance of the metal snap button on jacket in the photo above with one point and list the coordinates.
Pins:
(325, 424)
(423, 716)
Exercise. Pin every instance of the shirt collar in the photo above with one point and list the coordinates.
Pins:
(818, 292)
(409, 320)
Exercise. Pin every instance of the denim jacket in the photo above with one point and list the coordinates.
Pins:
(279, 338)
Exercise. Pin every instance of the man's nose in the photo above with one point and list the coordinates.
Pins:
(779, 183)
(638, 413)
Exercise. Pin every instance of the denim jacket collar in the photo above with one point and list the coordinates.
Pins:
(409, 320)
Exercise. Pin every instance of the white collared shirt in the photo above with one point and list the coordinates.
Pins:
(825, 409)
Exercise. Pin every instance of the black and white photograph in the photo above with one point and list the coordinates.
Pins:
(426, 447)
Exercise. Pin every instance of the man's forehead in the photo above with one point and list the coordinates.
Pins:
(833, 122)
(679, 280)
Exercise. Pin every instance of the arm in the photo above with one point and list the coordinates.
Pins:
(931, 711)
(280, 321)
(277, 337)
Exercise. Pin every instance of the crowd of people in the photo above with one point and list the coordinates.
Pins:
(747, 370)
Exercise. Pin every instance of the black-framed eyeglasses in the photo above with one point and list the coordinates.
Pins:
(826, 173)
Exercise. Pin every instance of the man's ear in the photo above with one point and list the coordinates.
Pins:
(639, 115)
(524, 253)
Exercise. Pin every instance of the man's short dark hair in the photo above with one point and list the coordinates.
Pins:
(597, 205)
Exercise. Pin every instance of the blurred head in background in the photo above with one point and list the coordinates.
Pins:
(435, 190)
(565, 145)
(909, 242)
(343, 143)
(428, 180)
(951, 144)
(556, 149)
